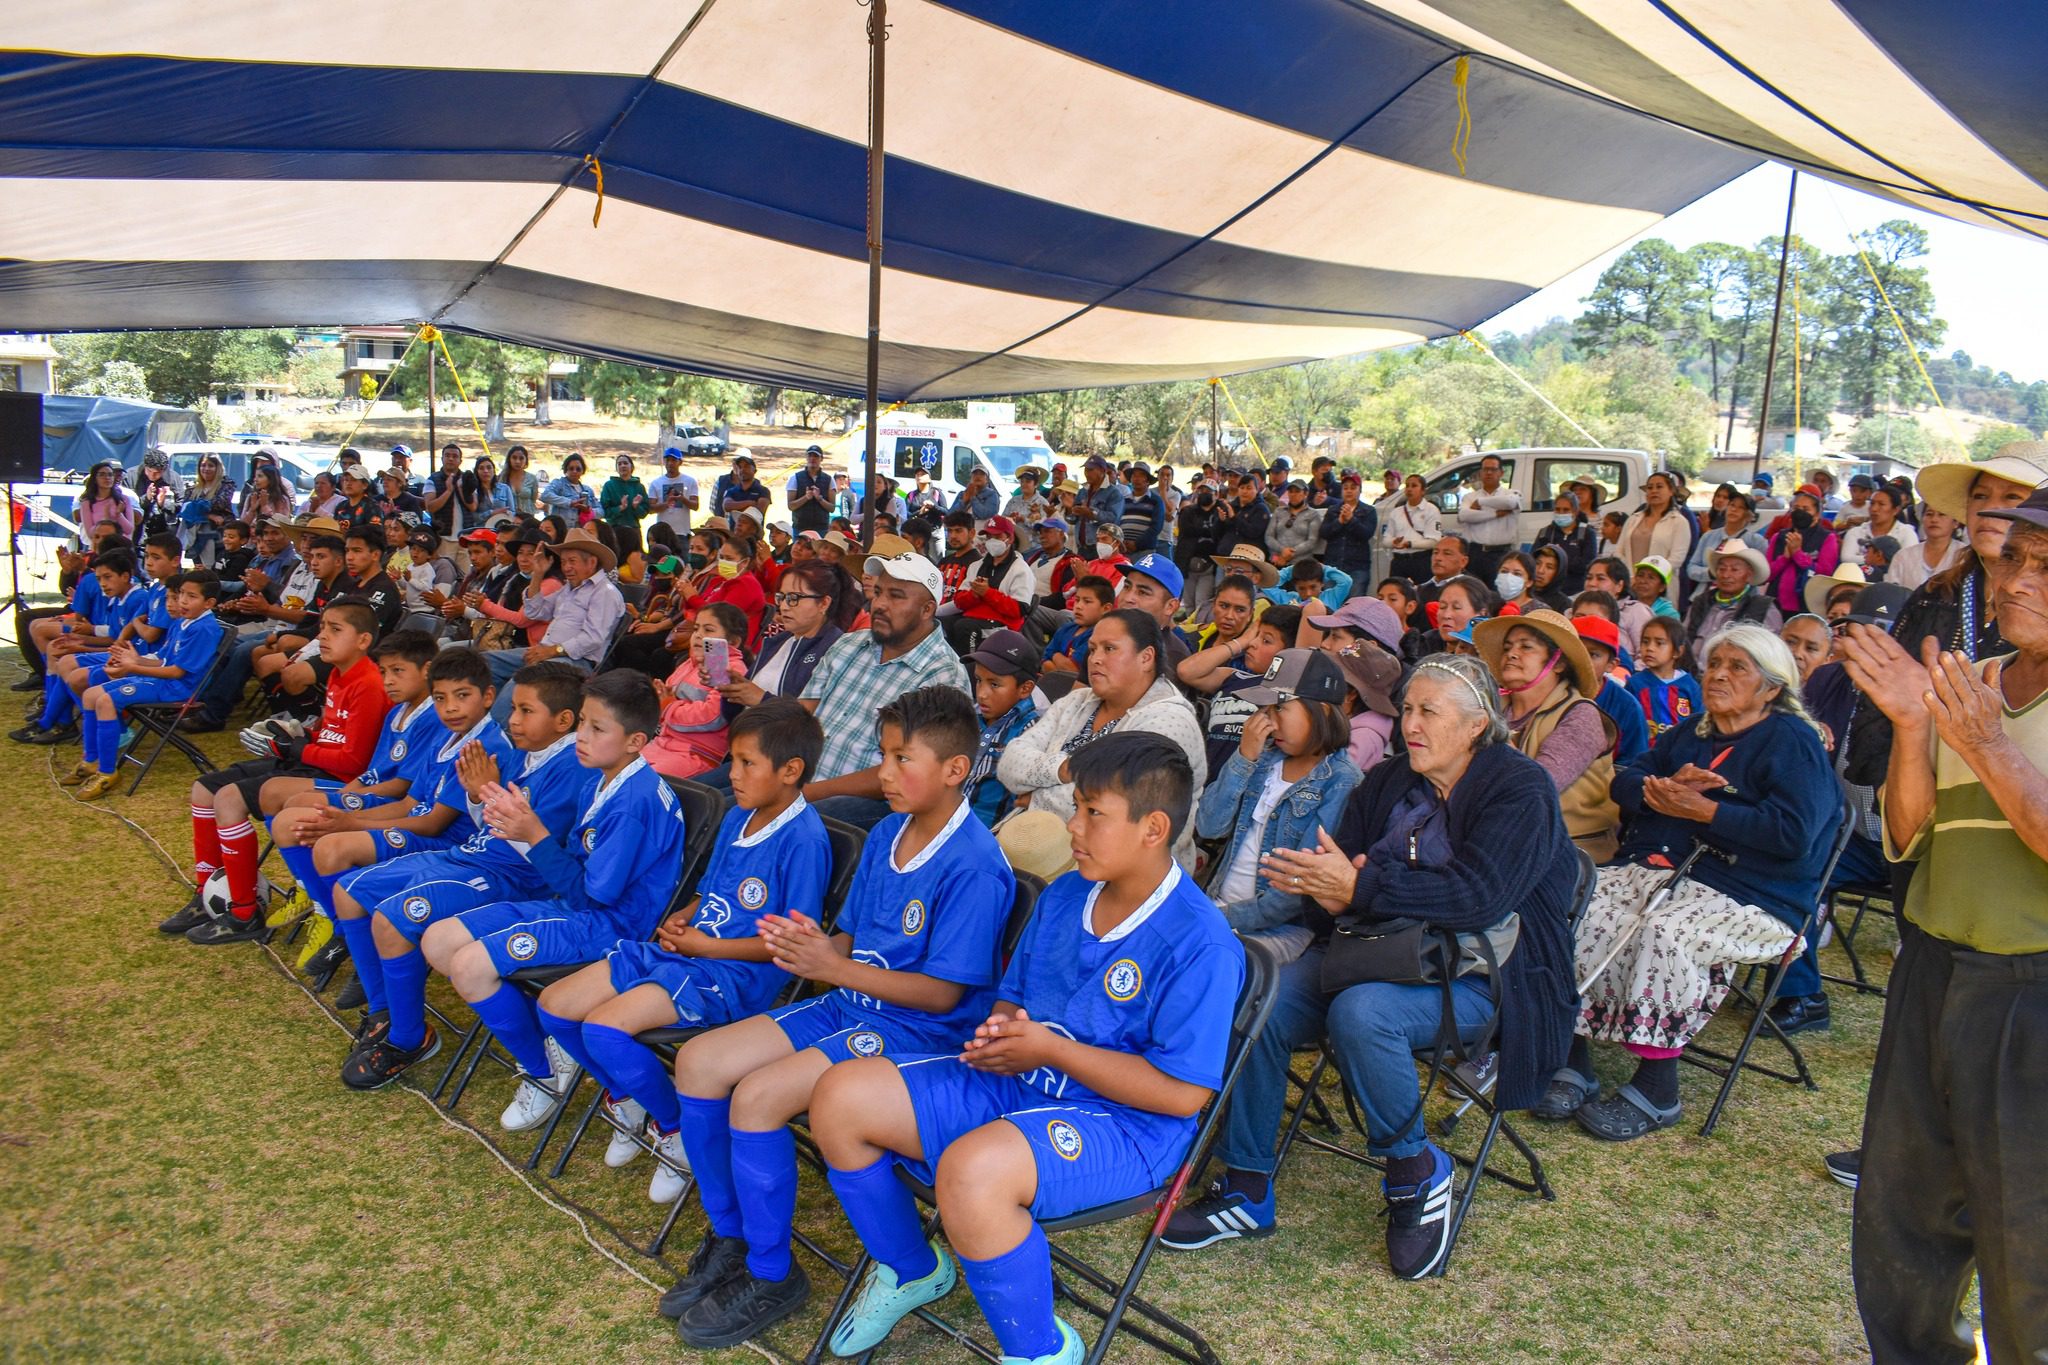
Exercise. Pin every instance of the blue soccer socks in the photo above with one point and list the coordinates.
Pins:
(631, 1068)
(510, 1017)
(884, 1216)
(707, 1139)
(1015, 1294)
(764, 1167)
(362, 950)
(405, 995)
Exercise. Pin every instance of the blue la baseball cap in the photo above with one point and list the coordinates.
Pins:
(1158, 567)
(1763, 478)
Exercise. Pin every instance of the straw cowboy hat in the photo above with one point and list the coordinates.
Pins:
(1489, 636)
(305, 527)
(1759, 567)
(1250, 561)
(582, 538)
(1946, 487)
(1820, 586)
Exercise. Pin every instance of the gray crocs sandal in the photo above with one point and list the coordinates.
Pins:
(1624, 1116)
(1567, 1091)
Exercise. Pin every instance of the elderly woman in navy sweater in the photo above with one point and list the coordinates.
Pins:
(1466, 835)
(1751, 780)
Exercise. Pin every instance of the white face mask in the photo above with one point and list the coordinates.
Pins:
(1509, 585)
(1104, 549)
(996, 548)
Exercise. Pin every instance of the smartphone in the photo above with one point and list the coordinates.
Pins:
(717, 663)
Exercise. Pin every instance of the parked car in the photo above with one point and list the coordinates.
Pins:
(1538, 474)
(696, 440)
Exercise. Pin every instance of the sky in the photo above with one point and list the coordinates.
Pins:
(1990, 287)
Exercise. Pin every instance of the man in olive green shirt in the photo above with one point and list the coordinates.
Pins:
(1955, 1136)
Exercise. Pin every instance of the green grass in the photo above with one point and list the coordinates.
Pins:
(182, 1177)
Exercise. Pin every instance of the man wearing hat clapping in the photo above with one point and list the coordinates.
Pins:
(581, 616)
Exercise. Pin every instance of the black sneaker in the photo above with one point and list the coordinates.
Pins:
(32, 683)
(352, 996)
(185, 917)
(1798, 1013)
(741, 1308)
(1419, 1221)
(1218, 1216)
(63, 734)
(229, 929)
(716, 1260)
(320, 972)
(370, 1031)
(379, 1064)
(1845, 1167)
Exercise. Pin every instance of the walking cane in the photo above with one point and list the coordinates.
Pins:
(1650, 907)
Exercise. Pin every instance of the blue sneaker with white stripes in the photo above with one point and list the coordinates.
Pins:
(1218, 1216)
(1419, 1220)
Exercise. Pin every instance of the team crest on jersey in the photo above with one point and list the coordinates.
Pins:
(1123, 979)
(417, 909)
(521, 946)
(590, 838)
(351, 801)
(713, 913)
(866, 1043)
(1065, 1139)
(1681, 707)
(395, 837)
(753, 893)
(913, 917)
(127, 689)
(398, 751)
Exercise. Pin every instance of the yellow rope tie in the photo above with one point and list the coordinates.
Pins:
(1523, 380)
(596, 169)
(1249, 438)
(1905, 336)
(389, 375)
(456, 375)
(1461, 135)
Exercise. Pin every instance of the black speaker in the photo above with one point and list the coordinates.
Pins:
(21, 438)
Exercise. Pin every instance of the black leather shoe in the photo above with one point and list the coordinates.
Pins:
(199, 725)
(1797, 1013)
(32, 683)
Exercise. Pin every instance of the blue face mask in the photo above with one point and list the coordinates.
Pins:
(1563, 520)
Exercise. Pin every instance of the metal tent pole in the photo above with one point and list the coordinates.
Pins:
(878, 38)
(1763, 415)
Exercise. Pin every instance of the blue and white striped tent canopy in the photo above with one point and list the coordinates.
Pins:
(1079, 192)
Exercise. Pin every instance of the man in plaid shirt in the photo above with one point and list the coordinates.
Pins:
(901, 649)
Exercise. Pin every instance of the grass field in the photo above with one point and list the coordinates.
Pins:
(182, 1177)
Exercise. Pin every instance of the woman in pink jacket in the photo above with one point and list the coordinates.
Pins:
(1804, 548)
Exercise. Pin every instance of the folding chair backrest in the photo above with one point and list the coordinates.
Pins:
(1029, 889)
(611, 646)
(847, 842)
(1844, 832)
(432, 622)
(1582, 891)
(704, 810)
(634, 593)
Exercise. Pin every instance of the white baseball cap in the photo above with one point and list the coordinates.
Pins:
(909, 568)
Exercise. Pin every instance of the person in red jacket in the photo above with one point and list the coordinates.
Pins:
(226, 803)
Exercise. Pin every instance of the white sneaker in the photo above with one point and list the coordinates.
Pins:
(625, 1144)
(668, 1184)
(560, 1060)
(530, 1107)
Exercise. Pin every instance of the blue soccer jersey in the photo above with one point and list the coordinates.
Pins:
(191, 645)
(784, 867)
(1163, 985)
(624, 855)
(557, 787)
(940, 915)
(112, 614)
(157, 614)
(409, 737)
(435, 783)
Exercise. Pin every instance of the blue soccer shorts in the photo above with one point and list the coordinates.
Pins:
(699, 999)
(144, 691)
(331, 788)
(842, 1034)
(392, 844)
(540, 933)
(1083, 1155)
(426, 888)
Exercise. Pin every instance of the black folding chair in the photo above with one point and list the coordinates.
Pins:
(1869, 898)
(1728, 1066)
(1172, 1336)
(160, 718)
(846, 842)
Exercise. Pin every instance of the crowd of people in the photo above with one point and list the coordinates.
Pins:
(1201, 720)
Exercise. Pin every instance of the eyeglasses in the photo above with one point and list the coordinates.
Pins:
(790, 599)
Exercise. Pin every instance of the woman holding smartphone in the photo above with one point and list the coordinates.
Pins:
(692, 738)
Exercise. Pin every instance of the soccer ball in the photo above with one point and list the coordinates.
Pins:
(215, 898)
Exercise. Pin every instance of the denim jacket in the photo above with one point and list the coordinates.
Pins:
(1318, 799)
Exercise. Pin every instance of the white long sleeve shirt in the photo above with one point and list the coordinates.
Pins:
(1480, 520)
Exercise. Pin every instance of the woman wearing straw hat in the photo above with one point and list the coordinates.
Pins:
(1547, 684)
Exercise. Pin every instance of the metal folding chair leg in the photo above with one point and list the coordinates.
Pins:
(1730, 1066)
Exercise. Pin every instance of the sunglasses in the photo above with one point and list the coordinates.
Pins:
(790, 599)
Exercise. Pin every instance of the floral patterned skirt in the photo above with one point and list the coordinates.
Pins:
(1671, 972)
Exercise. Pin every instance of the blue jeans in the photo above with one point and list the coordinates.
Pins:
(218, 701)
(1374, 1029)
(504, 663)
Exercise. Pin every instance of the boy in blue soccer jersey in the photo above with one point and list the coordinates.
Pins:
(707, 966)
(134, 678)
(433, 814)
(1110, 1034)
(119, 599)
(610, 880)
(383, 910)
(913, 958)
(88, 668)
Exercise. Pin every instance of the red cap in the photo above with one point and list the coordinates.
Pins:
(484, 534)
(1808, 489)
(1000, 526)
(1600, 630)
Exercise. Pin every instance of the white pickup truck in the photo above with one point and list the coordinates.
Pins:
(1538, 474)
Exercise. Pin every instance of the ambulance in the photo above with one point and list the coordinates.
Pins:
(949, 449)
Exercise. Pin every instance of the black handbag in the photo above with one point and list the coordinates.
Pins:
(1402, 950)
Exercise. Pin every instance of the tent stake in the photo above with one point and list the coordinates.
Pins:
(878, 37)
